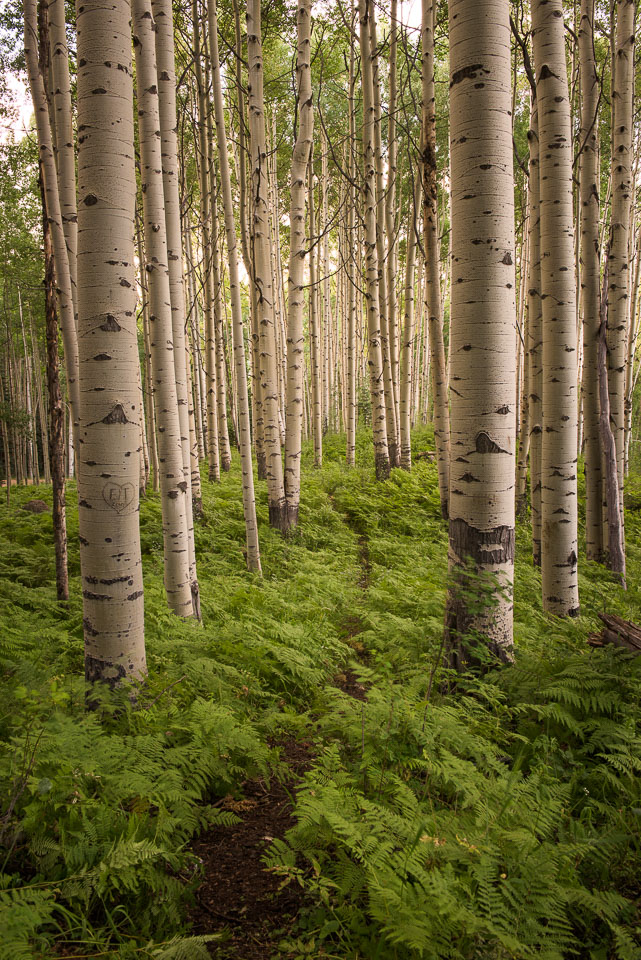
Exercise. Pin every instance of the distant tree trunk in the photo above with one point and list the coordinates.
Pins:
(297, 251)
(432, 266)
(372, 297)
(590, 281)
(352, 402)
(482, 337)
(407, 374)
(558, 292)
(244, 428)
(314, 324)
(173, 485)
(109, 432)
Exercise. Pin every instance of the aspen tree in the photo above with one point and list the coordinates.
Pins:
(535, 333)
(165, 62)
(206, 226)
(262, 272)
(64, 144)
(381, 252)
(391, 263)
(483, 332)
(297, 250)
(372, 298)
(52, 199)
(109, 428)
(314, 332)
(558, 294)
(173, 484)
(590, 280)
(619, 260)
(244, 428)
(352, 403)
(432, 254)
(407, 374)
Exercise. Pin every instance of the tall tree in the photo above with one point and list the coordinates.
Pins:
(109, 430)
(483, 331)
(558, 294)
(297, 252)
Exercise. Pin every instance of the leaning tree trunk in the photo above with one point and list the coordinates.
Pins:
(263, 272)
(590, 281)
(109, 429)
(375, 354)
(558, 294)
(622, 192)
(244, 427)
(483, 333)
(56, 416)
(432, 266)
(163, 16)
(174, 488)
(297, 251)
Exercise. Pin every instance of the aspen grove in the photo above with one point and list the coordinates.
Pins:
(320, 532)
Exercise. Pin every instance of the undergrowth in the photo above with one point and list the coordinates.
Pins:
(498, 822)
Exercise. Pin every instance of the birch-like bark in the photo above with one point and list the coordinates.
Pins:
(619, 292)
(64, 145)
(244, 427)
(483, 333)
(559, 550)
(432, 267)
(297, 251)
(352, 402)
(372, 297)
(165, 62)
(407, 341)
(109, 428)
(50, 181)
(263, 272)
(590, 281)
(174, 487)
(314, 331)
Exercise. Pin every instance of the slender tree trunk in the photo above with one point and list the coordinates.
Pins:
(432, 266)
(164, 49)
(297, 251)
(50, 181)
(483, 326)
(244, 437)
(408, 338)
(616, 546)
(174, 488)
(622, 191)
(558, 292)
(109, 430)
(372, 298)
(263, 273)
(314, 332)
(56, 416)
(352, 398)
(590, 281)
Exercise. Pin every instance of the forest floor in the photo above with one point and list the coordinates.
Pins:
(294, 782)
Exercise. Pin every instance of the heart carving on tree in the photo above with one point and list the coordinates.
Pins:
(118, 495)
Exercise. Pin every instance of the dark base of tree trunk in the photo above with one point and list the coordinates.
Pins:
(261, 465)
(195, 600)
(521, 507)
(279, 516)
(197, 507)
(382, 464)
(225, 465)
(394, 455)
(212, 477)
(465, 653)
(536, 553)
(445, 509)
